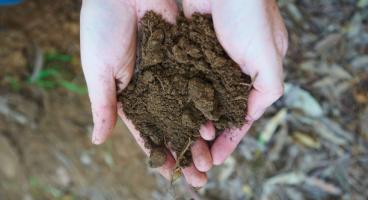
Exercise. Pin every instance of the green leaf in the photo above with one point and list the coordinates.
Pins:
(14, 83)
(73, 87)
(46, 73)
(33, 181)
(58, 57)
(46, 84)
(56, 193)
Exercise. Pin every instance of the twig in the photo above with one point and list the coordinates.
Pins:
(165, 142)
(38, 64)
(246, 84)
(183, 152)
(162, 85)
(240, 98)
(180, 157)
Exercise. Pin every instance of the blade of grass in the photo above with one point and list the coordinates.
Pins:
(73, 87)
(58, 57)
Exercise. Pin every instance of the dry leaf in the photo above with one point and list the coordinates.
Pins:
(271, 126)
(306, 140)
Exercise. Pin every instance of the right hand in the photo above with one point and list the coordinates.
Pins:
(253, 34)
(108, 46)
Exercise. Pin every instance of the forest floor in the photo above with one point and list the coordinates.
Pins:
(311, 144)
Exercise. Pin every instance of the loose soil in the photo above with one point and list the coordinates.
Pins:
(183, 79)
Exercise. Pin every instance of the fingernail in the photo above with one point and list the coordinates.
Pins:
(96, 140)
(217, 162)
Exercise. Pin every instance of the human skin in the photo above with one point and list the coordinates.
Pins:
(252, 33)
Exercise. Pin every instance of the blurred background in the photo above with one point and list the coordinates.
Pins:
(311, 144)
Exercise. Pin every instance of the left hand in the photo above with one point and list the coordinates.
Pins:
(108, 47)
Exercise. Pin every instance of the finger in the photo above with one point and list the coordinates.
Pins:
(194, 177)
(267, 87)
(193, 6)
(167, 8)
(207, 131)
(201, 155)
(168, 168)
(106, 36)
(259, 101)
(226, 143)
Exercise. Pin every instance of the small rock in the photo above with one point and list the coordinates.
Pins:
(63, 177)
(85, 159)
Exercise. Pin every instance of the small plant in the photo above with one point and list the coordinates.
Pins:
(14, 83)
(52, 76)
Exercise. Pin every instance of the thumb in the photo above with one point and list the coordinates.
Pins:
(267, 87)
(102, 94)
(107, 53)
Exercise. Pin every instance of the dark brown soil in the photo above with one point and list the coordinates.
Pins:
(183, 78)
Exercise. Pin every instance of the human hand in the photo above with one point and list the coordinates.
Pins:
(253, 34)
(108, 47)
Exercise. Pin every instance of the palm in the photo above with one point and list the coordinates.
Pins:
(253, 34)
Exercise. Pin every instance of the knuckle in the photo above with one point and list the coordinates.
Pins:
(285, 45)
(103, 110)
(282, 42)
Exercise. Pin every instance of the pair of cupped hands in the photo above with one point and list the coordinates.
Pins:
(251, 31)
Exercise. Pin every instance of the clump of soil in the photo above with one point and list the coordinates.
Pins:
(183, 78)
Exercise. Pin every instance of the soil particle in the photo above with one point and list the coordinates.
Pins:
(157, 157)
(183, 78)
